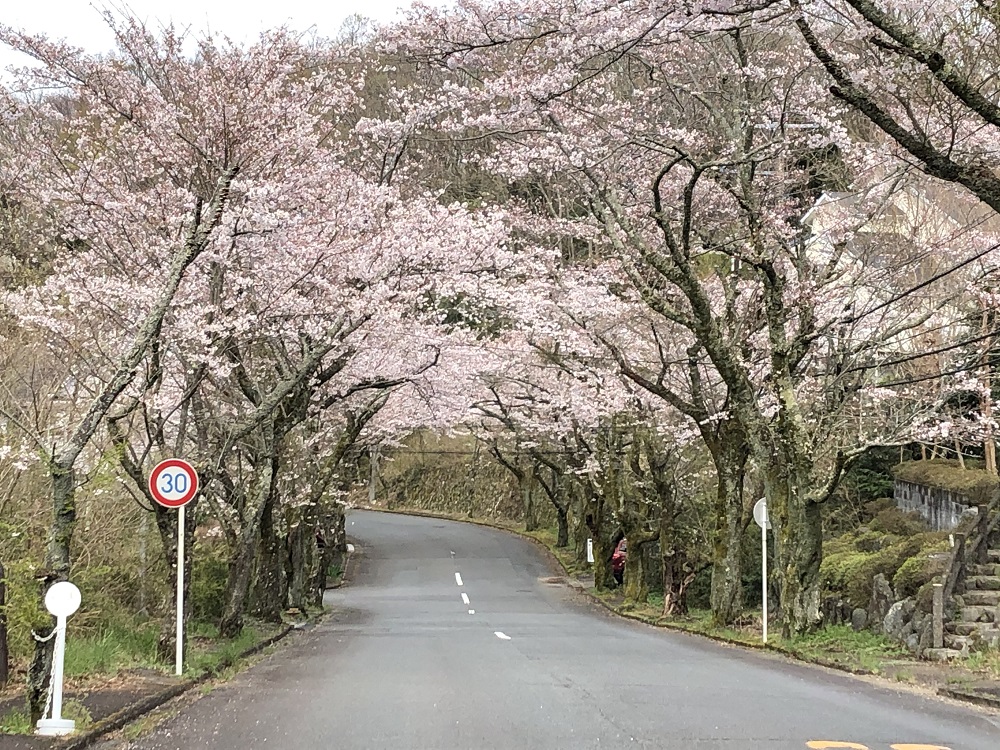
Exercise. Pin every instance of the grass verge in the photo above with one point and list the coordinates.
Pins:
(115, 650)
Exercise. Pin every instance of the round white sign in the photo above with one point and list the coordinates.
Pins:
(173, 482)
(62, 599)
(760, 514)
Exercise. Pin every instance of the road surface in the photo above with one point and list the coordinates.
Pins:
(449, 636)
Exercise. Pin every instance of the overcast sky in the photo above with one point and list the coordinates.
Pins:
(80, 23)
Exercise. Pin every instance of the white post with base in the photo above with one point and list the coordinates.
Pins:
(762, 520)
(61, 600)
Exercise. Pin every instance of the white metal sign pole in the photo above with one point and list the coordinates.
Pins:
(173, 483)
(180, 590)
(763, 567)
(761, 519)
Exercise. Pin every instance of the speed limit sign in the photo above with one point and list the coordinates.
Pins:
(173, 483)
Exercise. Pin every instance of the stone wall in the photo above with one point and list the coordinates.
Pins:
(941, 508)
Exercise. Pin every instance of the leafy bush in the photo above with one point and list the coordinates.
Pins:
(895, 521)
(920, 569)
(24, 608)
(849, 571)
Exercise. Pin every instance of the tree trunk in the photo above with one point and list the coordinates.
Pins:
(798, 533)
(269, 589)
(241, 568)
(604, 542)
(636, 587)
(727, 550)
(40, 672)
(528, 499)
(237, 587)
(4, 651)
(302, 556)
(332, 553)
(562, 525)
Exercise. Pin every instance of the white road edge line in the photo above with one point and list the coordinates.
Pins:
(465, 598)
(458, 579)
(501, 636)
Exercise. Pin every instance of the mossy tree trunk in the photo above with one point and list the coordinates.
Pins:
(244, 555)
(726, 596)
(4, 651)
(269, 590)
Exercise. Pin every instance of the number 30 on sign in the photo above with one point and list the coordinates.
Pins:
(173, 483)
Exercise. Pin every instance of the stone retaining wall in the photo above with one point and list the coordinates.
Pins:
(941, 508)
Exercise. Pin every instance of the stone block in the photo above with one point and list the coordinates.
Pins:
(977, 614)
(897, 620)
(983, 583)
(943, 654)
(880, 602)
(859, 619)
(981, 598)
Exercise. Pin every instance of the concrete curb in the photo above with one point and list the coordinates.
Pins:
(134, 711)
(970, 696)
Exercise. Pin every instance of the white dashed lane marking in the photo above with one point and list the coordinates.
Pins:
(458, 579)
(501, 636)
(472, 611)
(465, 598)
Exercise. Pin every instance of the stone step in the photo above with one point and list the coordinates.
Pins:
(944, 654)
(982, 583)
(990, 569)
(960, 642)
(993, 555)
(963, 628)
(981, 598)
(977, 614)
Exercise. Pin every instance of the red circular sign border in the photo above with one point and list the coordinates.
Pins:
(169, 464)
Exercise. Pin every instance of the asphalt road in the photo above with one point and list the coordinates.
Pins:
(450, 637)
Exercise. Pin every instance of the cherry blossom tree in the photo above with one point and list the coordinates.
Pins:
(694, 146)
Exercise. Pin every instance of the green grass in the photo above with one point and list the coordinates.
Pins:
(842, 645)
(208, 653)
(73, 709)
(987, 662)
(114, 648)
(16, 721)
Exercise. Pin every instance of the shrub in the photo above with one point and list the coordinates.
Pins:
(894, 521)
(849, 570)
(875, 507)
(920, 569)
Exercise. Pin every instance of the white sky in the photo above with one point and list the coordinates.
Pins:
(80, 23)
